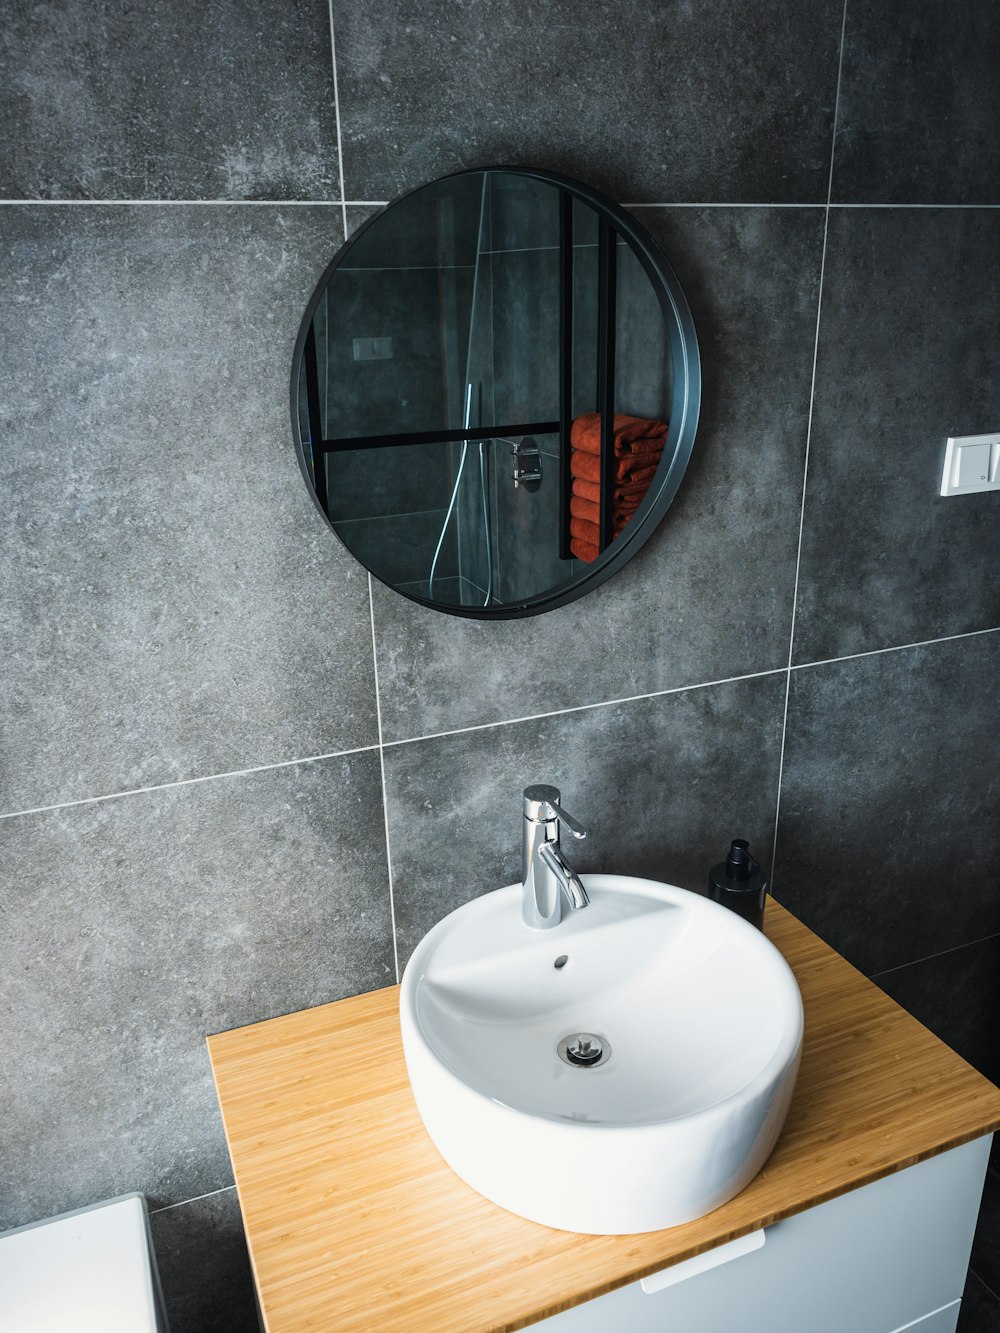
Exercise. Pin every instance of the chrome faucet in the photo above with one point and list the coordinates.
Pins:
(545, 874)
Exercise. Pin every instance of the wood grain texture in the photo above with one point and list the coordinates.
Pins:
(355, 1223)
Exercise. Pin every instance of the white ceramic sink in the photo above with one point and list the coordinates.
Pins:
(703, 1020)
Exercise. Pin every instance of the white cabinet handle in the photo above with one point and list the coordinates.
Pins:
(701, 1263)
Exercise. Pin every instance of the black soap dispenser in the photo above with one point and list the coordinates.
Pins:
(737, 883)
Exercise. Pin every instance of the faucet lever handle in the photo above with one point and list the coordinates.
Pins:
(577, 830)
(542, 802)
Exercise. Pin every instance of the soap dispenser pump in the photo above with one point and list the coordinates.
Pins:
(737, 883)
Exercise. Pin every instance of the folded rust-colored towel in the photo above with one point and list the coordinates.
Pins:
(638, 445)
(582, 531)
(586, 551)
(633, 435)
(639, 467)
(588, 529)
(587, 509)
(591, 490)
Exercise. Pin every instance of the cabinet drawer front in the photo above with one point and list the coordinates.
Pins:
(876, 1260)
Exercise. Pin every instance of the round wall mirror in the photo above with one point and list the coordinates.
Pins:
(495, 392)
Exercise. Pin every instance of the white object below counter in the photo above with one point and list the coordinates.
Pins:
(889, 1256)
(89, 1271)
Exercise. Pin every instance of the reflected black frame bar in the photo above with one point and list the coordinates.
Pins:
(607, 260)
(565, 370)
(315, 419)
(435, 436)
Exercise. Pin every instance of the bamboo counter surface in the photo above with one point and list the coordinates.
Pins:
(355, 1223)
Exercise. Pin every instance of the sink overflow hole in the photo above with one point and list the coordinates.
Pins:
(585, 1050)
(562, 960)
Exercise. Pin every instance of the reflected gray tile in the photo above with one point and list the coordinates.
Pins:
(890, 811)
(525, 325)
(659, 783)
(448, 590)
(525, 524)
(192, 101)
(439, 225)
(710, 595)
(919, 103)
(137, 925)
(174, 603)
(202, 1257)
(400, 548)
(425, 315)
(400, 479)
(908, 355)
(658, 103)
(643, 370)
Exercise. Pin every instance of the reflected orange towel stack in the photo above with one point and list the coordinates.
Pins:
(638, 444)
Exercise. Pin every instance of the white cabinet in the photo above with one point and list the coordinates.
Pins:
(886, 1257)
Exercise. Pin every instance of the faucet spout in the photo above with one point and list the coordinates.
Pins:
(547, 877)
(569, 881)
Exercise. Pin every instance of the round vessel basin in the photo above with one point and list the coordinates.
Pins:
(628, 1070)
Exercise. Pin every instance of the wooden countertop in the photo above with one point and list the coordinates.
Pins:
(355, 1223)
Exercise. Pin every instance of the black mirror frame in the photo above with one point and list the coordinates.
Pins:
(682, 425)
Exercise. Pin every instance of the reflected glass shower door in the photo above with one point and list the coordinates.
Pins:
(525, 314)
(408, 298)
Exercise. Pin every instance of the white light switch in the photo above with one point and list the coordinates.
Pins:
(971, 463)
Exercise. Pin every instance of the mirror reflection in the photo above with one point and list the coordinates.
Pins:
(485, 393)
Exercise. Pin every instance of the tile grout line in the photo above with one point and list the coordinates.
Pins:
(895, 648)
(721, 203)
(941, 953)
(336, 108)
(188, 782)
(385, 802)
(177, 203)
(716, 203)
(805, 464)
(379, 518)
(209, 1194)
(982, 1282)
(382, 203)
(583, 708)
(380, 744)
(480, 726)
(834, 204)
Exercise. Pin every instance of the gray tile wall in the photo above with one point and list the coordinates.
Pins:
(236, 778)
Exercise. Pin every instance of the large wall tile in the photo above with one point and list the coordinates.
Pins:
(980, 1312)
(662, 784)
(957, 995)
(184, 101)
(174, 605)
(727, 101)
(908, 355)
(889, 836)
(204, 1269)
(709, 596)
(137, 925)
(919, 103)
(986, 1246)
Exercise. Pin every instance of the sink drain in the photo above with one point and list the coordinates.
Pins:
(584, 1050)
